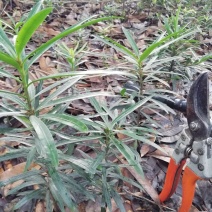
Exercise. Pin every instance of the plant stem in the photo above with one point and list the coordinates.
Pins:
(24, 82)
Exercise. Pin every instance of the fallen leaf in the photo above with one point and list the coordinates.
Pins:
(144, 183)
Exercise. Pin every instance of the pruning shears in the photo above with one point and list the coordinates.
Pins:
(195, 144)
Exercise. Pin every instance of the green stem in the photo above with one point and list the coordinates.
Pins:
(140, 75)
(24, 82)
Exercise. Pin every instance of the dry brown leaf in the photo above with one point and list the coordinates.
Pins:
(47, 65)
(144, 183)
(126, 173)
(162, 156)
(42, 63)
(144, 150)
(16, 170)
(40, 207)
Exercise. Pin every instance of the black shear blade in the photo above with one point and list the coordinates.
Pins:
(198, 108)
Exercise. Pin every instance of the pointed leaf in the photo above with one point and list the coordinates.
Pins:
(128, 154)
(19, 177)
(72, 98)
(46, 140)
(13, 97)
(153, 47)
(6, 44)
(36, 8)
(36, 194)
(130, 110)
(87, 73)
(117, 46)
(29, 28)
(40, 50)
(9, 60)
(61, 189)
(118, 199)
(4, 114)
(131, 41)
(60, 90)
(141, 138)
(67, 120)
(9, 75)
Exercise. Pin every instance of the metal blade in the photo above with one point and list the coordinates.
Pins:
(198, 108)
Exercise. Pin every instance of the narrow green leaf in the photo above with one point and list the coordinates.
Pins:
(131, 41)
(29, 28)
(82, 163)
(75, 186)
(46, 140)
(203, 59)
(36, 194)
(4, 114)
(6, 44)
(99, 110)
(40, 50)
(24, 120)
(86, 73)
(14, 153)
(74, 139)
(106, 198)
(167, 26)
(72, 98)
(173, 40)
(153, 47)
(97, 161)
(130, 110)
(117, 46)
(48, 201)
(126, 179)
(30, 158)
(61, 189)
(14, 98)
(129, 155)
(9, 60)
(56, 195)
(60, 90)
(67, 120)
(141, 138)
(9, 75)
(50, 87)
(25, 185)
(118, 199)
(19, 177)
(36, 8)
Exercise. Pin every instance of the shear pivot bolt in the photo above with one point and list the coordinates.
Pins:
(194, 126)
(177, 151)
(183, 137)
(209, 141)
(200, 151)
(200, 167)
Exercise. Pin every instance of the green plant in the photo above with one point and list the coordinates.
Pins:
(109, 126)
(72, 55)
(40, 117)
(147, 64)
(185, 48)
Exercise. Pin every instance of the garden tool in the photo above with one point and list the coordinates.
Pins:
(195, 144)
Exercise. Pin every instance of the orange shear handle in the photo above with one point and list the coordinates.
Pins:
(172, 179)
(188, 185)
